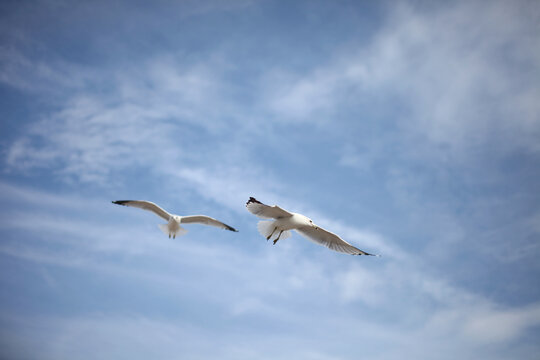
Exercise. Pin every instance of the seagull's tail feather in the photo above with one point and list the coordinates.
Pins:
(284, 235)
(181, 231)
(165, 228)
(265, 227)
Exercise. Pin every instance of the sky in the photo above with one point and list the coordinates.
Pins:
(409, 128)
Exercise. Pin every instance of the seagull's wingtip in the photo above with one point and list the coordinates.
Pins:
(367, 254)
(376, 255)
(121, 202)
(253, 200)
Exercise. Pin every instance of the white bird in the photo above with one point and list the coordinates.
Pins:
(285, 221)
(173, 228)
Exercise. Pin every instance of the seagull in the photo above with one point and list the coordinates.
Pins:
(173, 228)
(285, 221)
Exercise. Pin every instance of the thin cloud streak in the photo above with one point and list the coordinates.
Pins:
(185, 132)
(348, 282)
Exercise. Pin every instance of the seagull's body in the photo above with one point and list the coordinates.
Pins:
(173, 228)
(284, 221)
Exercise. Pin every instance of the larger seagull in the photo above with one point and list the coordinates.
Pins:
(173, 228)
(285, 221)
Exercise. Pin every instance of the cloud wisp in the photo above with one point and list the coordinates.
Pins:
(399, 142)
(352, 296)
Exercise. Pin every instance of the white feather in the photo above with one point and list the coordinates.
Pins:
(179, 232)
(265, 227)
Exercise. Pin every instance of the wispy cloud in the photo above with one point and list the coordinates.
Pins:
(485, 325)
(349, 287)
(205, 131)
(454, 92)
(442, 67)
(94, 135)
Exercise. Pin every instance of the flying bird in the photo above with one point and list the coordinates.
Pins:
(284, 221)
(173, 228)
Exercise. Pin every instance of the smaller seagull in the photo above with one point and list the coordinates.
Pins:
(285, 221)
(173, 228)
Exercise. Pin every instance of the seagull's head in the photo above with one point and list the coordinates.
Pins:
(312, 224)
(177, 218)
(303, 220)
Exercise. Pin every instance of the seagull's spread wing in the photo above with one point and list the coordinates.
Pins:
(264, 211)
(330, 240)
(206, 220)
(145, 205)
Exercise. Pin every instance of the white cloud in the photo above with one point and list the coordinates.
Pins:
(361, 284)
(234, 185)
(439, 62)
(90, 139)
(497, 325)
(281, 286)
(138, 122)
(459, 71)
(450, 64)
(300, 98)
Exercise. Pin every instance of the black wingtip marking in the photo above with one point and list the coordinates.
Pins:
(253, 200)
(121, 202)
(368, 254)
(230, 228)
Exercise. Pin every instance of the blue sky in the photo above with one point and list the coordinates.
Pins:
(412, 129)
